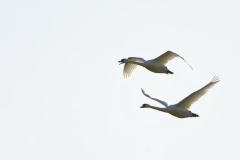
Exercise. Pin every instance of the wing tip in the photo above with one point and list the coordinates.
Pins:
(181, 58)
(215, 79)
(190, 66)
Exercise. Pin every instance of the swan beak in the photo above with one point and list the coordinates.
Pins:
(120, 62)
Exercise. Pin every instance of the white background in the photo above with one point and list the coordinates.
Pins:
(63, 96)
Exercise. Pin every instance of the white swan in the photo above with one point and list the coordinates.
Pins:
(180, 110)
(156, 65)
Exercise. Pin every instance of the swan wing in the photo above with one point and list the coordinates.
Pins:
(129, 67)
(168, 56)
(188, 101)
(155, 99)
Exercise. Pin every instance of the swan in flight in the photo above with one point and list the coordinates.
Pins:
(156, 65)
(180, 109)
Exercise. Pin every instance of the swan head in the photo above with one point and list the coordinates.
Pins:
(122, 61)
(145, 106)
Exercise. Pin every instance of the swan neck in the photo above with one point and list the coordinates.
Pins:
(138, 63)
(159, 109)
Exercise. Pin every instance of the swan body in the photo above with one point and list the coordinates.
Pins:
(180, 109)
(156, 65)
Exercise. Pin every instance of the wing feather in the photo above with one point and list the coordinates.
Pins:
(168, 56)
(155, 99)
(129, 67)
(188, 101)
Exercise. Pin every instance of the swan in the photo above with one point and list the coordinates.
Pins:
(156, 65)
(180, 109)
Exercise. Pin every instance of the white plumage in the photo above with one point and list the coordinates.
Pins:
(156, 65)
(180, 109)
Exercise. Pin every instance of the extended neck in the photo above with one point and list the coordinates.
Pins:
(159, 109)
(134, 62)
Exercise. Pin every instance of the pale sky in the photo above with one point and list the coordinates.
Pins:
(63, 95)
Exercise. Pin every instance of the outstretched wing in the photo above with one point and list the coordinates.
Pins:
(129, 67)
(188, 101)
(168, 56)
(162, 102)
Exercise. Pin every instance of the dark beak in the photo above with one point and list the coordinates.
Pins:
(120, 62)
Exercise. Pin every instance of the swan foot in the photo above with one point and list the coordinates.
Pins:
(169, 72)
(194, 115)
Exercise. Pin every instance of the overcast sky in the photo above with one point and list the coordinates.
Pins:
(62, 91)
